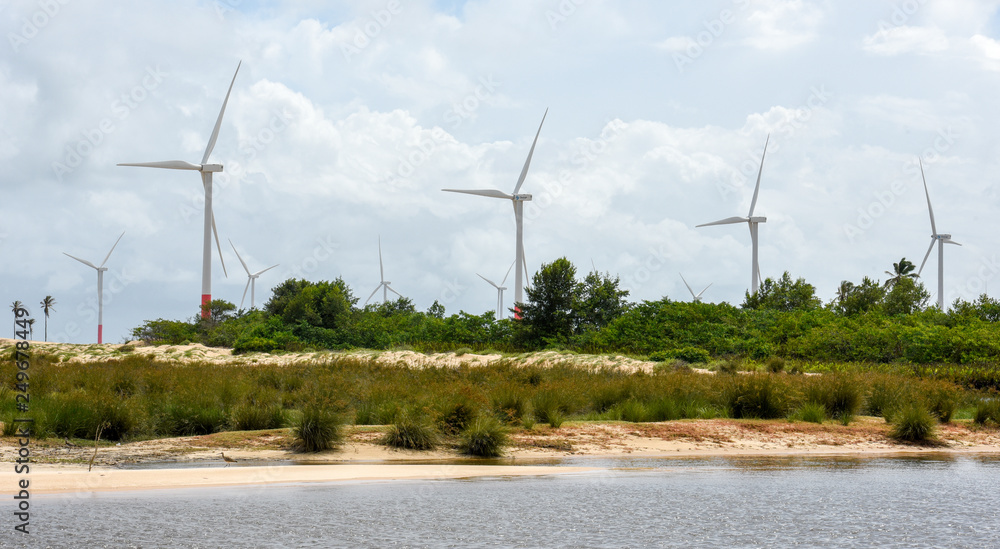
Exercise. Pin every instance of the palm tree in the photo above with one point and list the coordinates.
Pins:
(13, 308)
(843, 291)
(31, 328)
(901, 270)
(48, 304)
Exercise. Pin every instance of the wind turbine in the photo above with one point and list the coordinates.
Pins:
(100, 287)
(500, 290)
(694, 298)
(940, 239)
(251, 277)
(206, 179)
(384, 284)
(752, 222)
(518, 201)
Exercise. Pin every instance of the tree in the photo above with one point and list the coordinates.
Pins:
(550, 312)
(907, 296)
(218, 311)
(436, 310)
(48, 306)
(599, 301)
(14, 307)
(857, 299)
(901, 270)
(31, 328)
(322, 304)
(783, 295)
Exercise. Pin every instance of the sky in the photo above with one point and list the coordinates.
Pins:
(347, 119)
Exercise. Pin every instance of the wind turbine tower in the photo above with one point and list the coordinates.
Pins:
(518, 201)
(940, 239)
(752, 222)
(384, 284)
(206, 170)
(100, 287)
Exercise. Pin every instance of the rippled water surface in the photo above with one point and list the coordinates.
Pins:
(731, 503)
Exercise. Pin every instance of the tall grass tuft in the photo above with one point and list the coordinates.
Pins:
(913, 423)
(486, 437)
(812, 412)
(987, 410)
(317, 429)
(411, 433)
(758, 396)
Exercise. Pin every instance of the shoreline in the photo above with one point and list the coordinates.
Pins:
(265, 457)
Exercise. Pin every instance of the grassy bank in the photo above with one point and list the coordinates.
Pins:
(135, 397)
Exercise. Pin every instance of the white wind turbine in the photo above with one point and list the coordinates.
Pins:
(100, 287)
(694, 298)
(384, 284)
(206, 178)
(752, 222)
(500, 290)
(251, 277)
(518, 201)
(940, 239)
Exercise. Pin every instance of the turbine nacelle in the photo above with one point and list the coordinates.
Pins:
(521, 198)
(757, 219)
(211, 167)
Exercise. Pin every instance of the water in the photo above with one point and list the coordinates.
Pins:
(733, 503)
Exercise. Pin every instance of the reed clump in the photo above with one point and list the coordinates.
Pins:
(486, 437)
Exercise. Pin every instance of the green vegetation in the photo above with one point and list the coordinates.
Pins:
(486, 437)
(913, 424)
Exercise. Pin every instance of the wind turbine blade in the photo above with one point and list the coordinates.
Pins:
(244, 263)
(524, 170)
(488, 280)
(928, 254)
(726, 221)
(245, 288)
(377, 288)
(84, 261)
(710, 285)
(388, 287)
(168, 164)
(688, 286)
(950, 241)
(219, 246)
(504, 281)
(756, 189)
(492, 193)
(258, 273)
(218, 123)
(928, 194)
(112, 249)
(381, 271)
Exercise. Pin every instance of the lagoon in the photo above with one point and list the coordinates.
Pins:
(936, 500)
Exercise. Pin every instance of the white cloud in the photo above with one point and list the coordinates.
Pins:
(905, 39)
(780, 25)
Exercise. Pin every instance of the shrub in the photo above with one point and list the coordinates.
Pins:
(456, 418)
(914, 424)
(634, 411)
(692, 355)
(754, 396)
(510, 405)
(486, 437)
(411, 434)
(813, 412)
(987, 410)
(883, 397)
(252, 417)
(775, 365)
(317, 429)
(942, 402)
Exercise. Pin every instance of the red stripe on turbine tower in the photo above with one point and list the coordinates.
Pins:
(205, 298)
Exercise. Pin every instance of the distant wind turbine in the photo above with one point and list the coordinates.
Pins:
(752, 222)
(384, 284)
(206, 178)
(518, 201)
(500, 290)
(251, 277)
(940, 239)
(694, 298)
(100, 287)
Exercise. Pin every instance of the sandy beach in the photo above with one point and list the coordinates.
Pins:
(265, 457)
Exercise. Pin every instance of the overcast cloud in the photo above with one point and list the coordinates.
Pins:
(347, 118)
